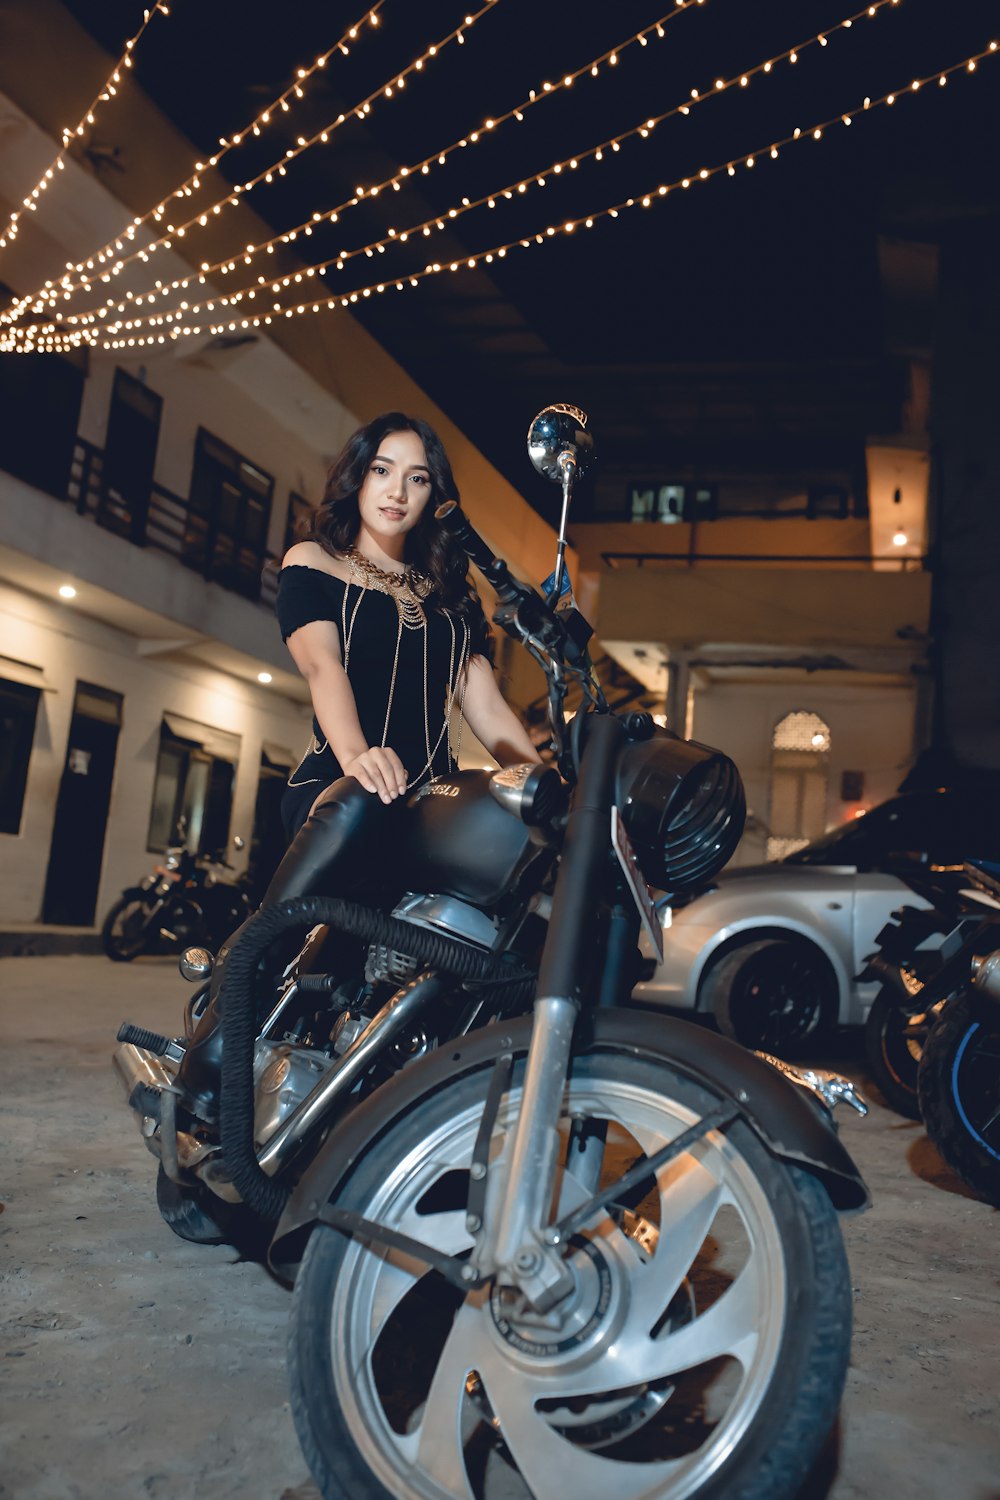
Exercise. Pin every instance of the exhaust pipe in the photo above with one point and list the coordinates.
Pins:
(144, 1078)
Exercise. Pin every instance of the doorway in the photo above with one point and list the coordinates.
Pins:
(800, 756)
(129, 458)
(268, 842)
(77, 851)
(225, 535)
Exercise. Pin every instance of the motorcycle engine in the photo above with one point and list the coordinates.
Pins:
(283, 1076)
(443, 914)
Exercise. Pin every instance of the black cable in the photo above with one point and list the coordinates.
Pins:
(239, 1013)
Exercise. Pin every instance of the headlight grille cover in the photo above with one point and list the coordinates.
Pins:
(683, 806)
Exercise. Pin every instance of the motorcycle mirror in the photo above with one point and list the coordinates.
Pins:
(559, 443)
(561, 449)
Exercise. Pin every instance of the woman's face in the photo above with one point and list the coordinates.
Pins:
(395, 490)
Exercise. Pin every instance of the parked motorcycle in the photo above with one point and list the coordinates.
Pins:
(594, 1245)
(922, 962)
(188, 899)
(959, 1075)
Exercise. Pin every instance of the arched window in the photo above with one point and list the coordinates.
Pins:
(800, 754)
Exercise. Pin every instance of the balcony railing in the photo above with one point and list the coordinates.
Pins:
(164, 524)
(764, 559)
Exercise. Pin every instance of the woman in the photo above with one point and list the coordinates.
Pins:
(380, 619)
(377, 611)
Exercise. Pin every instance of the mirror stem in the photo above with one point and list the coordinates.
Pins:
(567, 465)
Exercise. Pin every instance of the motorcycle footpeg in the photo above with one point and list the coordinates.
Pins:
(149, 1041)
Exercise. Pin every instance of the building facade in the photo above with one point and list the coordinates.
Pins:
(146, 496)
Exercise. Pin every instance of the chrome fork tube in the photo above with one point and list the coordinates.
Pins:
(519, 1245)
(518, 1250)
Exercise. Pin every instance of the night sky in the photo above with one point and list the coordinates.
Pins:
(776, 264)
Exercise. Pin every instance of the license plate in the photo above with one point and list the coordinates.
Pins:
(636, 882)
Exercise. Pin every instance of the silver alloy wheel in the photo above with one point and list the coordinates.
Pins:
(626, 1344)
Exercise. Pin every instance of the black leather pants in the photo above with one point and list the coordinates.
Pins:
(335, 852)
(340, 850)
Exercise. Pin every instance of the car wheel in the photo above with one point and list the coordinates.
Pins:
(775, 995)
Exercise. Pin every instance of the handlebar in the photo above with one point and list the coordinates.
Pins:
(454, 520)
(556, 638)
(523, 612)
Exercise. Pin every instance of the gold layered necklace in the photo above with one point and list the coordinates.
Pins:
(408, 589)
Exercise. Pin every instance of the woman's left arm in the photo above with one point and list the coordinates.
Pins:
(492, 720)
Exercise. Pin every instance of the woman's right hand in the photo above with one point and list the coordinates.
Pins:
(379, 770)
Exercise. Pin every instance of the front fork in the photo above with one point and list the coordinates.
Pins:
(518, 1244)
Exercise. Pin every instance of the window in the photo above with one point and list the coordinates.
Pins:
(40, 396)
(225, 536)
(193, 786)
(129, 456)
(670, 503)
(297, 519)
(829, 501)
(800, 753)
(18, 711)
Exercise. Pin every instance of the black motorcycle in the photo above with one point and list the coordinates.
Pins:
(922, 963)
(587, 1243)
(187, 900)
(959, 1076)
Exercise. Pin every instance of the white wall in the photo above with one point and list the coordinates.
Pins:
(68, 647)
(871, 730)
(242, 400)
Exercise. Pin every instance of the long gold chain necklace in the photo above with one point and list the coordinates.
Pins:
(408, 590)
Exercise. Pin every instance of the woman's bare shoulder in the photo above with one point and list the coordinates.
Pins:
(312, 555)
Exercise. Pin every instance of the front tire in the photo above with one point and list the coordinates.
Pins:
(125, 933)
(714, 1369)
(959, 1091)
(776, 995)
(894, 1045)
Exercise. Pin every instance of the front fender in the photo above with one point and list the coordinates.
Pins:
(789, 1124)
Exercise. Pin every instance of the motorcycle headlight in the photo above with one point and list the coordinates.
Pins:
(683, 806)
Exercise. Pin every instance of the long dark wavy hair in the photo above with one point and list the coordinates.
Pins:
(429, 548)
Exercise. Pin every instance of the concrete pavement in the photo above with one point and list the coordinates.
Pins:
(134, 1364)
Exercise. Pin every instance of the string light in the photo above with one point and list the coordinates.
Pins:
(51, 293)
(420, 168)
(277, 168)
(108, 91)
(444, 220)
(52, 337)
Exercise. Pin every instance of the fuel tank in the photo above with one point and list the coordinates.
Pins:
(460, 842)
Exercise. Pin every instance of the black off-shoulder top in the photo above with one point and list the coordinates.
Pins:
(372, 623)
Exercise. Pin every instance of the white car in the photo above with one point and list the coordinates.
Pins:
(771, 952)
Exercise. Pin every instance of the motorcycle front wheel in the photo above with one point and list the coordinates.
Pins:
(894, 1043)
(959, 1085)
(125, 933)
(704, 1355)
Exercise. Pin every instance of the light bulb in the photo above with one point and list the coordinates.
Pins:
(264, 677)
(67, 591)
(900, 539)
